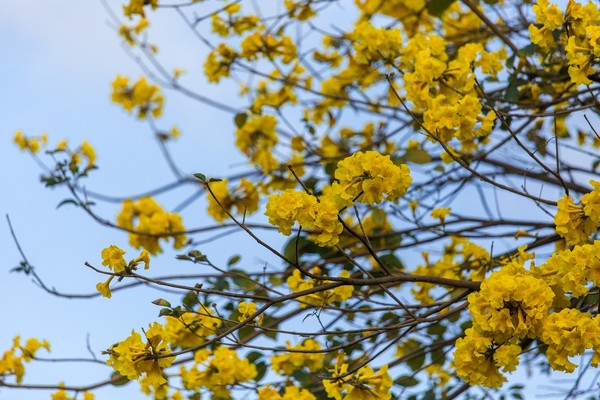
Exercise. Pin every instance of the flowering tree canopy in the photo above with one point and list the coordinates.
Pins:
(421, 171)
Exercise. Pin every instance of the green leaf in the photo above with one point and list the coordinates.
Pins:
(417, 362)
(437, 7)
(417, 156)
(240, 119)
(190, 299)
(67, 201)
(436, 329)
(202, 177)
(406, 381)
(391, 261)
(116, 379)
(162, 303)
(234, 260)
(215, 180)
(242, 280)
(261, 368)
(165, 311)
(254, 355)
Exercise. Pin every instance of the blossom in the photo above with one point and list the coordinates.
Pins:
(363, 384)
(153, 220)
(569, 333)
(247, 309)
(478, 360)
(572, 223)
(217, 370)
(191, 328)
(288, 362)
(133, 358)
(112, 257)
(372, 177)
(511, 303)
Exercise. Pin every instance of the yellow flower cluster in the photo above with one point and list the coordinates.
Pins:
(244, 199)
(220, 371)
(133, 358)
(320, 298)
(268, 46)
(572, 271)
(233, 24)
(218, 63)
(288, 363)
(143, 97)
(191, 328)
(412, 13)
(320, 217)
(246, 309)
(362, 384)
(569, 333)
(136, 7)
(462, 259)
(152, 220)
(128, 33)
(290, 393)
(256, 139)
(575, 223)
(12, 361)
(85, 150)
(112, 257)
(577, 30)
(32, 144)
(512, 304)
(62, 395)
(371, 177)
(374, 44)
(478, 359)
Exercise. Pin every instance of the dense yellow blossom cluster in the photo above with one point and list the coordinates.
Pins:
(576, 223)
(135, 356)
(153, 223)
(514, 303)
(461, 259)
(217, 370)
(362, 384)
(578, 30)
(289, 393)
(322, 297)
(12, 361)
(142, 97)
(191, 328)
(289, 362)
(244, 199)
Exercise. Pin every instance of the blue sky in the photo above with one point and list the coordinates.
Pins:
(59, 59)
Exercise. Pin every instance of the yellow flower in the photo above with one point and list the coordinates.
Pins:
(191, 328)
(246, 309)
(364, 384)
(372, 177)
(287, 363)
(104, 288)
(478, 359)
(440, 213)
(141, 96)
(112, 257)
(569, 333)
(572, 223)
(511, 304)
(218, 372)
(244, 199)
(151, 219)
(132, 357)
